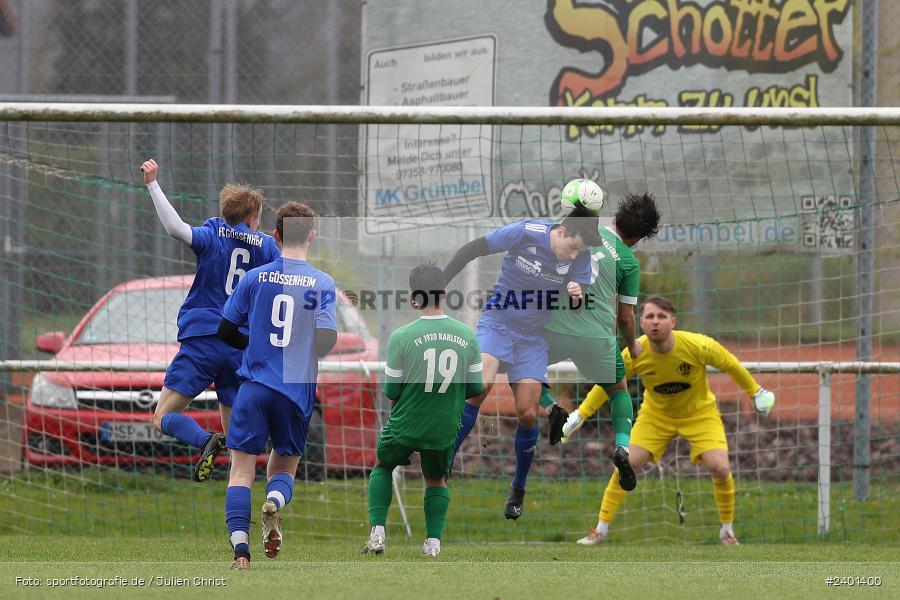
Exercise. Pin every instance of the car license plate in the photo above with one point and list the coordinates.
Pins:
(124, 431)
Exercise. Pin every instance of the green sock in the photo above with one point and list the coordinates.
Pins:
(546, 397)
(437, 502)
(379, 496)
(622, 415)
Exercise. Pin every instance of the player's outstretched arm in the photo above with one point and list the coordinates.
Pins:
(465, 255)
(719, 357)
(167, 214)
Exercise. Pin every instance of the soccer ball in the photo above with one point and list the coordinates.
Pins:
(582, 192)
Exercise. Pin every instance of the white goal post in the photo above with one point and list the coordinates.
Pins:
(841, 156)
(445, 115)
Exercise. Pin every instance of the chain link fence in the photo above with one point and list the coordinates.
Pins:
(235, 51)
(231, 51)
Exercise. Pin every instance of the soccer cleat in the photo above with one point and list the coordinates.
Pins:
(573, 423)
(594, 538)
(431, 547)
(375, 545)
(241, 563)
(726, 538)
(212, 447)
(557, 417)
(271, 529)
(514, 502)
(627, 478)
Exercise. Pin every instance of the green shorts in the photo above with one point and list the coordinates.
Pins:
(598, 360)
(435, 463)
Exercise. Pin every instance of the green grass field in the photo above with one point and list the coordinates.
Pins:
(336, 569)
(109, 502)
(93, 523)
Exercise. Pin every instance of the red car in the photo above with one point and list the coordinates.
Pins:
(106, 417)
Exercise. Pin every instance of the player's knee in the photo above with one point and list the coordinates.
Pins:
(528, 417)
(637, 457)
(720, 471)
(243, 469)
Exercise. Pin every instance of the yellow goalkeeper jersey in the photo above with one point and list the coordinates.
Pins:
(675, 383)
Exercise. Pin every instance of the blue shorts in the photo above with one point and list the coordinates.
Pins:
(201, 361)
(522, 355)
(259, 413)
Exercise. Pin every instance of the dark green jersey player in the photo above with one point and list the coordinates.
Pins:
(433, 365)
(588, 336)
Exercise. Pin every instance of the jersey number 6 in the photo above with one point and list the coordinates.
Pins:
(243, 255)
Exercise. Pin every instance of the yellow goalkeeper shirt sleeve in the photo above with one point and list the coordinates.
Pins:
(719, 357)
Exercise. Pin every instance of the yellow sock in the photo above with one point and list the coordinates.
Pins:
(595, 399)
(613, 496)
(723, 490)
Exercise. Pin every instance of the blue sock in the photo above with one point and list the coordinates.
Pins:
(237, 517)
(280, 489)
(469, 418)
(185, 429)
(526, 446)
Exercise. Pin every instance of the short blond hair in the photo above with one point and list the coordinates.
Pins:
(239, 202)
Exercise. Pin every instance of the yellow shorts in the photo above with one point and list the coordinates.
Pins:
(653, 432)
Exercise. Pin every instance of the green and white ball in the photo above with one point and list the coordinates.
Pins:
(582, 192)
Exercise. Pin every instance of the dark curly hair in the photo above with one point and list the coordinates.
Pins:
(637, 216)
(426, 282)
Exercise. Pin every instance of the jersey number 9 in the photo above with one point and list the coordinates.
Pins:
(278, 302)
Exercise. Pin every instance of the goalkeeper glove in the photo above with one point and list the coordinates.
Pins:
(763, 401)
(573, 424)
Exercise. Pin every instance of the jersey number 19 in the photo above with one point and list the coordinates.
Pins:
(446, 367)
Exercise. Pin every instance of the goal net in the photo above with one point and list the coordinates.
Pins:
(779, 238)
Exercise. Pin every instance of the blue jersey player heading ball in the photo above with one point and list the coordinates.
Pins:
(289, 307)
(226, 248)
(544, 261)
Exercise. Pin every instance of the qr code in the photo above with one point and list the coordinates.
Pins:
(827, 222)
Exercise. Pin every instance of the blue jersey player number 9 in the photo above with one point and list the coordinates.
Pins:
(286, 302)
